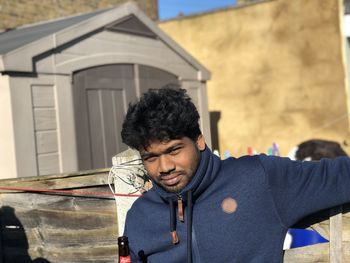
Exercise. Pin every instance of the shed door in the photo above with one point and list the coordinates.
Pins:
(101, 98)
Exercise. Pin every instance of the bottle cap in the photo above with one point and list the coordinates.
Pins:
(123, 239)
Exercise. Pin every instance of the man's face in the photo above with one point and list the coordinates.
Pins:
(172, 164)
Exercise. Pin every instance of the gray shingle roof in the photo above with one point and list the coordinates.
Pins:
(13, 39)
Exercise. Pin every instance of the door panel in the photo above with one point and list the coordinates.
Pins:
(96, 128)
(101, 97)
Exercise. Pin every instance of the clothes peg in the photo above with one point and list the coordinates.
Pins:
(275, 150)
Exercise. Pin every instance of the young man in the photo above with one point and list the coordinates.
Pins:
(202, 209)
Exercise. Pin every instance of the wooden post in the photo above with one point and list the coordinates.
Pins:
(1, 224)
(335, 235)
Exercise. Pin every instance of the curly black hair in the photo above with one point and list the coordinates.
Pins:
(160, 115)
(316, 149)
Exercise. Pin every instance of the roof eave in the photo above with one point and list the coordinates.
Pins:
(25, 55)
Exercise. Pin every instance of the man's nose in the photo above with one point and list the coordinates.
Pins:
(166, 164)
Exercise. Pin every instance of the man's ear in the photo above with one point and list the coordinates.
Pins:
(201, 142)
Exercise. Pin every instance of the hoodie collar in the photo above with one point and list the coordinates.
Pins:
(206, 172)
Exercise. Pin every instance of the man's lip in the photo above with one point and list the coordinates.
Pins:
(170, 176)
(171, 179)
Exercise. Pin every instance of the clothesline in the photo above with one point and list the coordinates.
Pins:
(69, 192)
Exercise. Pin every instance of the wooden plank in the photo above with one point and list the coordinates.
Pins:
(93, 254)
(48, 163)
(47, 142)
(346, 252)
(109, 119)
(346, 233)
(1, 230)
(81, 121)
(59, 228)
(47, 202)
(61, 181)
(43, 96)
(45, 119)
(310, 254)
(322, 228)
(335, 242)
(120, 104)
(58, 231)
(69, 228)
(346, 229)
(96, 128)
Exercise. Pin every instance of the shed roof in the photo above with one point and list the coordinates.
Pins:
(20, 47)
(15, 38)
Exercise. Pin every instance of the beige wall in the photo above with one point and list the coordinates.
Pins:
(277, 71)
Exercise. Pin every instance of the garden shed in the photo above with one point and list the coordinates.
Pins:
(65, 86)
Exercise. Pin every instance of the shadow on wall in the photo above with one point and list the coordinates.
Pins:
(214, 120)
(13, 240)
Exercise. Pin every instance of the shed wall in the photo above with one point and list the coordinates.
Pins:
(7, 140)
(36, 144)
(43, 127)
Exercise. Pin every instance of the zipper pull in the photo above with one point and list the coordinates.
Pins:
(180, 210)
(174, 237)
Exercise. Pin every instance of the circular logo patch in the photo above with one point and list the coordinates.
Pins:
(229, 205)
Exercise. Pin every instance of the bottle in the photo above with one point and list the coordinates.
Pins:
(123, 250)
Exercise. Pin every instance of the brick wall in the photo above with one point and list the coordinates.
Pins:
(14, 13)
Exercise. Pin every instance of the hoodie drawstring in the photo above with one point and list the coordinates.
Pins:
(189, 226)
(180, 209)
(174, 236)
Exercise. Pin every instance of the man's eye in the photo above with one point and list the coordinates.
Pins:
(175, 151)
(150, 159)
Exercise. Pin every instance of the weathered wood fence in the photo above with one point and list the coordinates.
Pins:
(58, 227)
(72, 227)
(333, 224)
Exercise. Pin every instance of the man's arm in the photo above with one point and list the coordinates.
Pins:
(302, 188)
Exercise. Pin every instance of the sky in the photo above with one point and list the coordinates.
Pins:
(172, 8)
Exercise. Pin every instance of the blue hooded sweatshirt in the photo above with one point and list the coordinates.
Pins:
(239, 210)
